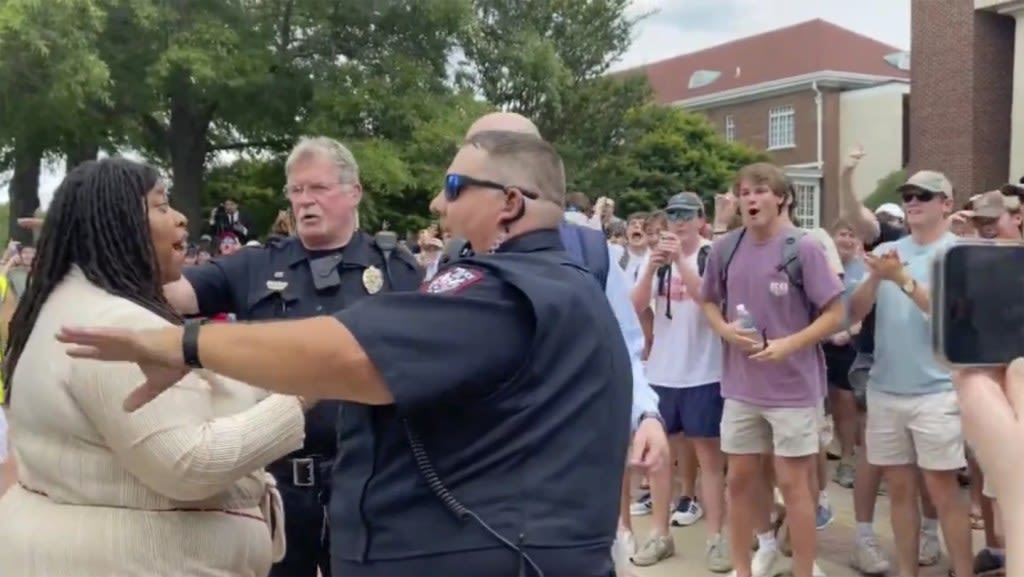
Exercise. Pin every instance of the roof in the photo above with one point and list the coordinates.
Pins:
(802, 49)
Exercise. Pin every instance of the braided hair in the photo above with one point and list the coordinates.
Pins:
(99, 221)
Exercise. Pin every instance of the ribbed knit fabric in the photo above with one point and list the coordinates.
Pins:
(99, 487)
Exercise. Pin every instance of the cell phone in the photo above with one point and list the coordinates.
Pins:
(978, 303)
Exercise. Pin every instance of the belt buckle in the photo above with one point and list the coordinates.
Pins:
(304, 472)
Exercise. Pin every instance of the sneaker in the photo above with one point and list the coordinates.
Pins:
(986, 563)
(869, 559)
(845, 473)
(718, 557)
(641, 506)
(824, 517)
(623, 548)
(929, 551)
(816, 571)
(657, 548)
(687, 512)
(763, 563)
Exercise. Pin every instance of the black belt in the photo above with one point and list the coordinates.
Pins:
(308, 471)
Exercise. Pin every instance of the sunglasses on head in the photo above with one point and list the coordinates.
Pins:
(920, 194)
(454, 184)
(678, 214)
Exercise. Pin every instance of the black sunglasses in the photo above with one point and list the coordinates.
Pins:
(684, 215)
(454, 184)
(918, 193)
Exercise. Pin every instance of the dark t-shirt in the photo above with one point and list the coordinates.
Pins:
(865, 341)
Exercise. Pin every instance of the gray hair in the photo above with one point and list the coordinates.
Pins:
(335, 152)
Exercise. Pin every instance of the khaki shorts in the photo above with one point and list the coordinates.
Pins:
(787, 432)
(922, 430)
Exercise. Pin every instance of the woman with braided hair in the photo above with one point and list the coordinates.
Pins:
(175, 489)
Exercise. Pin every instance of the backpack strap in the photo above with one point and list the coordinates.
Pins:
(728, 243)
(794, 269)
(702, 258)
(624, 259)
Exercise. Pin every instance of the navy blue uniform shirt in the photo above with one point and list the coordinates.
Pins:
(509, 369)
(276, 282)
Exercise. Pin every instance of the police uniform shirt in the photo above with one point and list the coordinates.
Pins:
(277, 282)
(503, 370)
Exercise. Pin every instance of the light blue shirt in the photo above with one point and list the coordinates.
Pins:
(617, 289)
(904, 361)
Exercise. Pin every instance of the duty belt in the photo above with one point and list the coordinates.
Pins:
(302, 471)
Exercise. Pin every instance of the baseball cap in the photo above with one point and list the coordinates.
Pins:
(931, 181)
(993, 204)
(891, 209)
(688, 201)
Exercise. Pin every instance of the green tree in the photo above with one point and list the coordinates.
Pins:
(664, 150)
(50, 73)
(887, 189)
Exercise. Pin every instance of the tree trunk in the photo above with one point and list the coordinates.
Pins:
(80, 152)
(24, 191)
(188, 132)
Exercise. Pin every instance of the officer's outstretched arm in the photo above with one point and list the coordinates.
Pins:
(464, 335)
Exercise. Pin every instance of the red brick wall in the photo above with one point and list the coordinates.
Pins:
(961, 90)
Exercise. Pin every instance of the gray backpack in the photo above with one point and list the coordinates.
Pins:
(789, 262)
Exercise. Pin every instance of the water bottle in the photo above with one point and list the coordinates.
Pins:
(745, 320)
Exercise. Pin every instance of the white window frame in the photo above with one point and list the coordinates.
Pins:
(808, 203)
(781, 127)
(730, 128)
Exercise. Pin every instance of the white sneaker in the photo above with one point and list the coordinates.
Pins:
(816, 571)
(929, 550)
(641, 506)
(763, 562)
(869, 559)
(623, 548)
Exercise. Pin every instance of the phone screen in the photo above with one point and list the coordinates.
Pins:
(982, 304)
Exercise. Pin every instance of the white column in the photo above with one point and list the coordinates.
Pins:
(1017, 110)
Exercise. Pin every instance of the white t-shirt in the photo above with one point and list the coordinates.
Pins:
(686, 352)
(634, 265)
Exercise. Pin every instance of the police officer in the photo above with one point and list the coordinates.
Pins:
(327, 267)
(488, 413)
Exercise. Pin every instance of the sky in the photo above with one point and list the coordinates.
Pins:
(674, 27)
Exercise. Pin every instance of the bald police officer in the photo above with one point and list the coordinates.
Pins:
(327, 267)
(475, 441)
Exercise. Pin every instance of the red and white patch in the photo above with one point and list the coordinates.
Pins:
(453, 280)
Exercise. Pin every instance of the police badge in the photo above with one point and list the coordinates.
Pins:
(373, 281)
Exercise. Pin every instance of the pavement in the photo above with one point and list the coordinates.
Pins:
(835, 543)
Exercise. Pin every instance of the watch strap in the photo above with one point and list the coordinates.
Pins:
(651, 415)
(190, 344)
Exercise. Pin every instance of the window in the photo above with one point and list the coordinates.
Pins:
(806, 213)
(730, 128)
(781, 127)
(702, 78)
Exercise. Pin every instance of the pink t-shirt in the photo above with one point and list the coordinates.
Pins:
(779, 309)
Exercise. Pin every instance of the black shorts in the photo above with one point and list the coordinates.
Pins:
(838, 361)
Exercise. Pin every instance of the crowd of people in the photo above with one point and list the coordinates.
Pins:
(478, 404)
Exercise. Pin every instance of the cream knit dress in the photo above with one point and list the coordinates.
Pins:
(174, 489)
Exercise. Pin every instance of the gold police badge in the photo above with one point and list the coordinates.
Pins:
(373, 281)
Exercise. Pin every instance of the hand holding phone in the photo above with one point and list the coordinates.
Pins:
(977, 304)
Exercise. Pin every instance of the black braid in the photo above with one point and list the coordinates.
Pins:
(98, 220)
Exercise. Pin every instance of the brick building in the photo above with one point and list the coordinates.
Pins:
(963, 74)
(785, 91)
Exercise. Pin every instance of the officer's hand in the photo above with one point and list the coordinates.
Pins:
(650, 446)
(157, 352)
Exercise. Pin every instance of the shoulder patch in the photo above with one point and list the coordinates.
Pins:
(452, 280)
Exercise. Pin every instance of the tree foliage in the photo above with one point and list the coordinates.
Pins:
(217, 91)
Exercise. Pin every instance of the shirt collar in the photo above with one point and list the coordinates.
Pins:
(356, 252)
(544, 239)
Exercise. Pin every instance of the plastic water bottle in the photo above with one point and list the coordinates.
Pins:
(745, 320)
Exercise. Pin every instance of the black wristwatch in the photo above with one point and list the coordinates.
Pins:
(190, 344)
(651, 415)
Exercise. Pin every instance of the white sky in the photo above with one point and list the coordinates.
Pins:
(679, 26)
